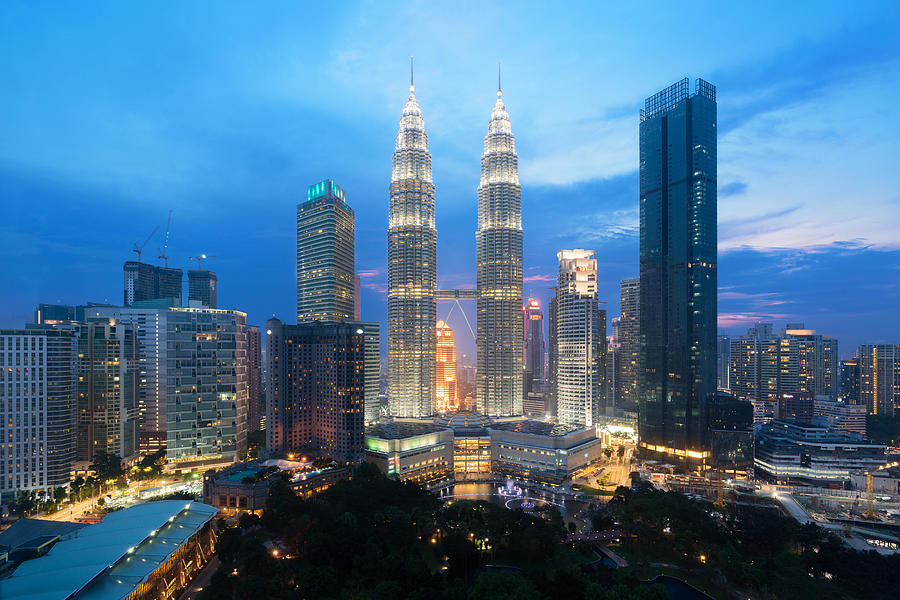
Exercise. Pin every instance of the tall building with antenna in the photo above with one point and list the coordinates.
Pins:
(412, 269)
(499, 269)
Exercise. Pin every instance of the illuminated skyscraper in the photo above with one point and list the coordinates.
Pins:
(580, 339)
(499, 270)
(325, 255)
(879, 378)
(629, 340)
(445, 388)
(256, 397)
(678, 271)
(412, 270)
(534, 346)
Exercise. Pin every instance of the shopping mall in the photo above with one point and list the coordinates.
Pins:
(467, 446)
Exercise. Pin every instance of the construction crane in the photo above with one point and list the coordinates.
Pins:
(200, 259)
(165, 248)
(870, 488)
(138, 249)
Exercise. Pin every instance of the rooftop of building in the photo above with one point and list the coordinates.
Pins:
(809, 432)
(107, 561)
(24, 532)
(463, 419)
(396, 430)
(536, 428)
(668, 98)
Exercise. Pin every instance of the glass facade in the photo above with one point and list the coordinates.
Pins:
(412, 271)
(499, 271)
(325, 255)
(678, 261)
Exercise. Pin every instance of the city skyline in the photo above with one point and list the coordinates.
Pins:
(783, 256)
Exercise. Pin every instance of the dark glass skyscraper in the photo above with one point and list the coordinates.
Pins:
(678, 261)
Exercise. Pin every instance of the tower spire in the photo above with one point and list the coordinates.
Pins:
(499, 89)
(411, 86)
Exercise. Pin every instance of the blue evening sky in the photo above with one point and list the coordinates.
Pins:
(113, 113)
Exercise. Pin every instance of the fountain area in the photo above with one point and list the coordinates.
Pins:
(511, 494)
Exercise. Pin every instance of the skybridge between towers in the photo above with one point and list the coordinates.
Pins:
(456, 296)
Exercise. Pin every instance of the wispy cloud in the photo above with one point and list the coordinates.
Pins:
(730, 320)
(732, 189)
(539, 278)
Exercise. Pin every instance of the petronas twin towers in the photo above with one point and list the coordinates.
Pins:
(412, 271)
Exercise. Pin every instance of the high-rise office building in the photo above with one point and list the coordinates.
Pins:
(879, 378)
(202, 287)
(581, 340)
(533, 324)
(850, 381)
(723, 363)
(499, 271)
(552, 357)
(318, 380)
(678, 258)
(206, 416)
(108, 389)
(325, 255)
(763, 365)
(628, 340)
(37, 409)
(412, 270)
(612, 368)
(357, 298)
(149, 318)
(148, 282)
(445, 386)
(256, 398)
